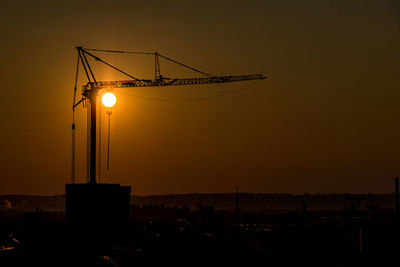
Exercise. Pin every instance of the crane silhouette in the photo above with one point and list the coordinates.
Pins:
(91, 88)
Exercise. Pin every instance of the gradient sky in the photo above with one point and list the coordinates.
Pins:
(327, 119)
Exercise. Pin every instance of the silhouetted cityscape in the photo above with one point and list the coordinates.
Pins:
(275, 229)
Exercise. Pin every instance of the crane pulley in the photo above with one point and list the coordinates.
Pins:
(91, 88)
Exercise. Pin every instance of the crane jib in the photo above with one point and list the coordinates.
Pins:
(166, 82)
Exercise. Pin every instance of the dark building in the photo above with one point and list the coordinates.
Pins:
(97, 217)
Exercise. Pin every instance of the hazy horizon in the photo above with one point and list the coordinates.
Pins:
(221, 193)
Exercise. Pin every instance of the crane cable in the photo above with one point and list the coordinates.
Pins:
(99, 135)
(111, 66)
(108, 139)
(196, 70)
(148, 53)
(73, 126)
(118, 51)
(191, 99)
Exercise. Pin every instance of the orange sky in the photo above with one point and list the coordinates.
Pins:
(326, 120)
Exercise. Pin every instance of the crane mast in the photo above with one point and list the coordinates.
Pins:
(91, 89)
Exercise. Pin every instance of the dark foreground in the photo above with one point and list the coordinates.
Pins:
(355, 236)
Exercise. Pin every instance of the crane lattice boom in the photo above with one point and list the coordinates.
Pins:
(166, 82)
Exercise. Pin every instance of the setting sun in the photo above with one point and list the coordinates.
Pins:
(109, 99)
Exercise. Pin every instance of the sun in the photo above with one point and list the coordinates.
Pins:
(109, 99)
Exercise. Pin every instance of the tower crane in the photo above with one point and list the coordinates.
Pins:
(91, 88)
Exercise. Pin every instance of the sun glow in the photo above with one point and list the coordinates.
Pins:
(109, 99)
